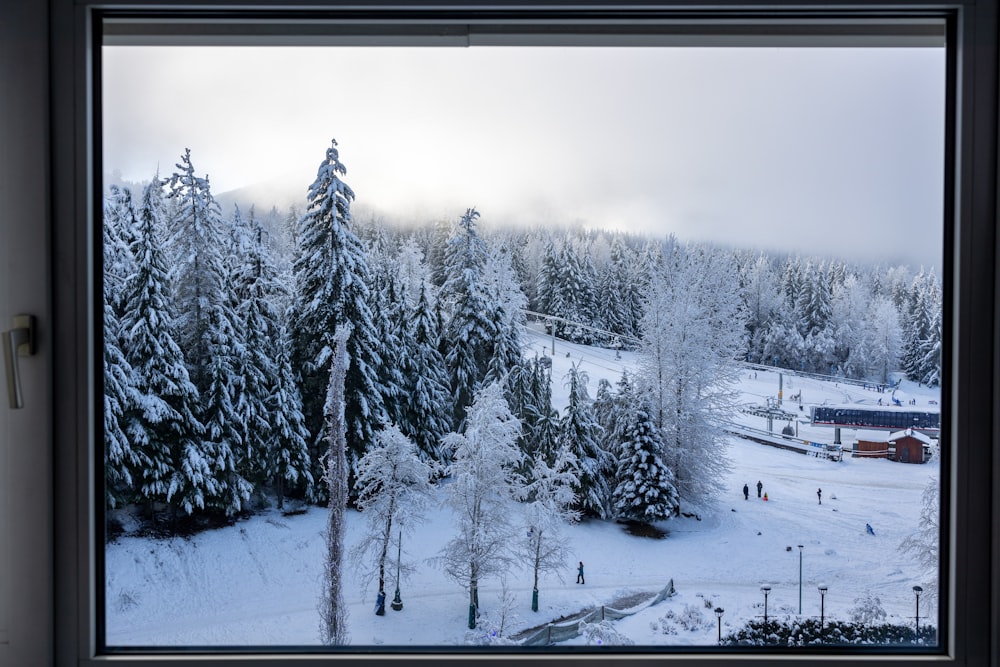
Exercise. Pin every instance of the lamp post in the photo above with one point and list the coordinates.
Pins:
(822, 597)
(800, 579)
(719, 611)
(397, 602)
(917, 590)
(766, 588)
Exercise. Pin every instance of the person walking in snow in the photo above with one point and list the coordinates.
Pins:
(760, 487)
(746, 492)
(579, 574)
(819, 495)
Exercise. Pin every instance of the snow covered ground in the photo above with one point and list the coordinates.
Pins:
(257, 582)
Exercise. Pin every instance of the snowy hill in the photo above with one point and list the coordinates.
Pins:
(257, 582)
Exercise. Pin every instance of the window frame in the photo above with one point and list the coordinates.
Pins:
(970, 355)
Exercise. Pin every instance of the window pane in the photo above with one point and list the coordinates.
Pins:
(589, 297)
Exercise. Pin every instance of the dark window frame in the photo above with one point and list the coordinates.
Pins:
(970, 354)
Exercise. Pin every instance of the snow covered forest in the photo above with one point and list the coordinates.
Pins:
(219, 332)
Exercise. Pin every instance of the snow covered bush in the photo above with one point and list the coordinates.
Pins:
(664, 625)
(867, 609)
(603, 633)
(690, 619)
(493, 627)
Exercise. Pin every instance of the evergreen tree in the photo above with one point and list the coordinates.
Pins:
(196, 243)
(812, 308)
(645, 489)
(471, 330)
(288, 442)
(332, 289)
(388, 315)
(161, 423)
(119, 394)
(579, 433)
(546, 283)
(616, 294)
(507, 311)
(424, 415)
(529, 395)
(259, 302)
(921, 356)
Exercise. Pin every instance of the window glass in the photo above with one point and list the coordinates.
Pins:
(504, 346)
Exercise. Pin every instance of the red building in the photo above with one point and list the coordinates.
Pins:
(910, 446)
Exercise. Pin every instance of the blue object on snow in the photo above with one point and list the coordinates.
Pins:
(868, 529)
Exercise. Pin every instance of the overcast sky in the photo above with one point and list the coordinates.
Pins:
(825, 151)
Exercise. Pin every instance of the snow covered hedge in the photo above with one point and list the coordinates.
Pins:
(795, 632)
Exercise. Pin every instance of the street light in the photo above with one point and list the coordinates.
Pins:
(767, 589)
(719, 611)
(800, 579)
(822, 597)
(918, 590)
(397, 602)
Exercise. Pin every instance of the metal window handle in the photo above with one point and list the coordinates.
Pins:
(18, 341)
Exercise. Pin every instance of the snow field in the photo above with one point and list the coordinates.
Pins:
(257, 583)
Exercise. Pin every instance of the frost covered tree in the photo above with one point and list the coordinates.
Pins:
(849, 303)
(645, 490)
(548, 506)
(161, 424)
(924, 544)
(332, 282)
(332, 610)
(414, 273)
(692, 332)
(580, 433)
(484, 487)
(881, 340)
(762, 300)
(287, 446)
(393, 493)
(471, 330)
